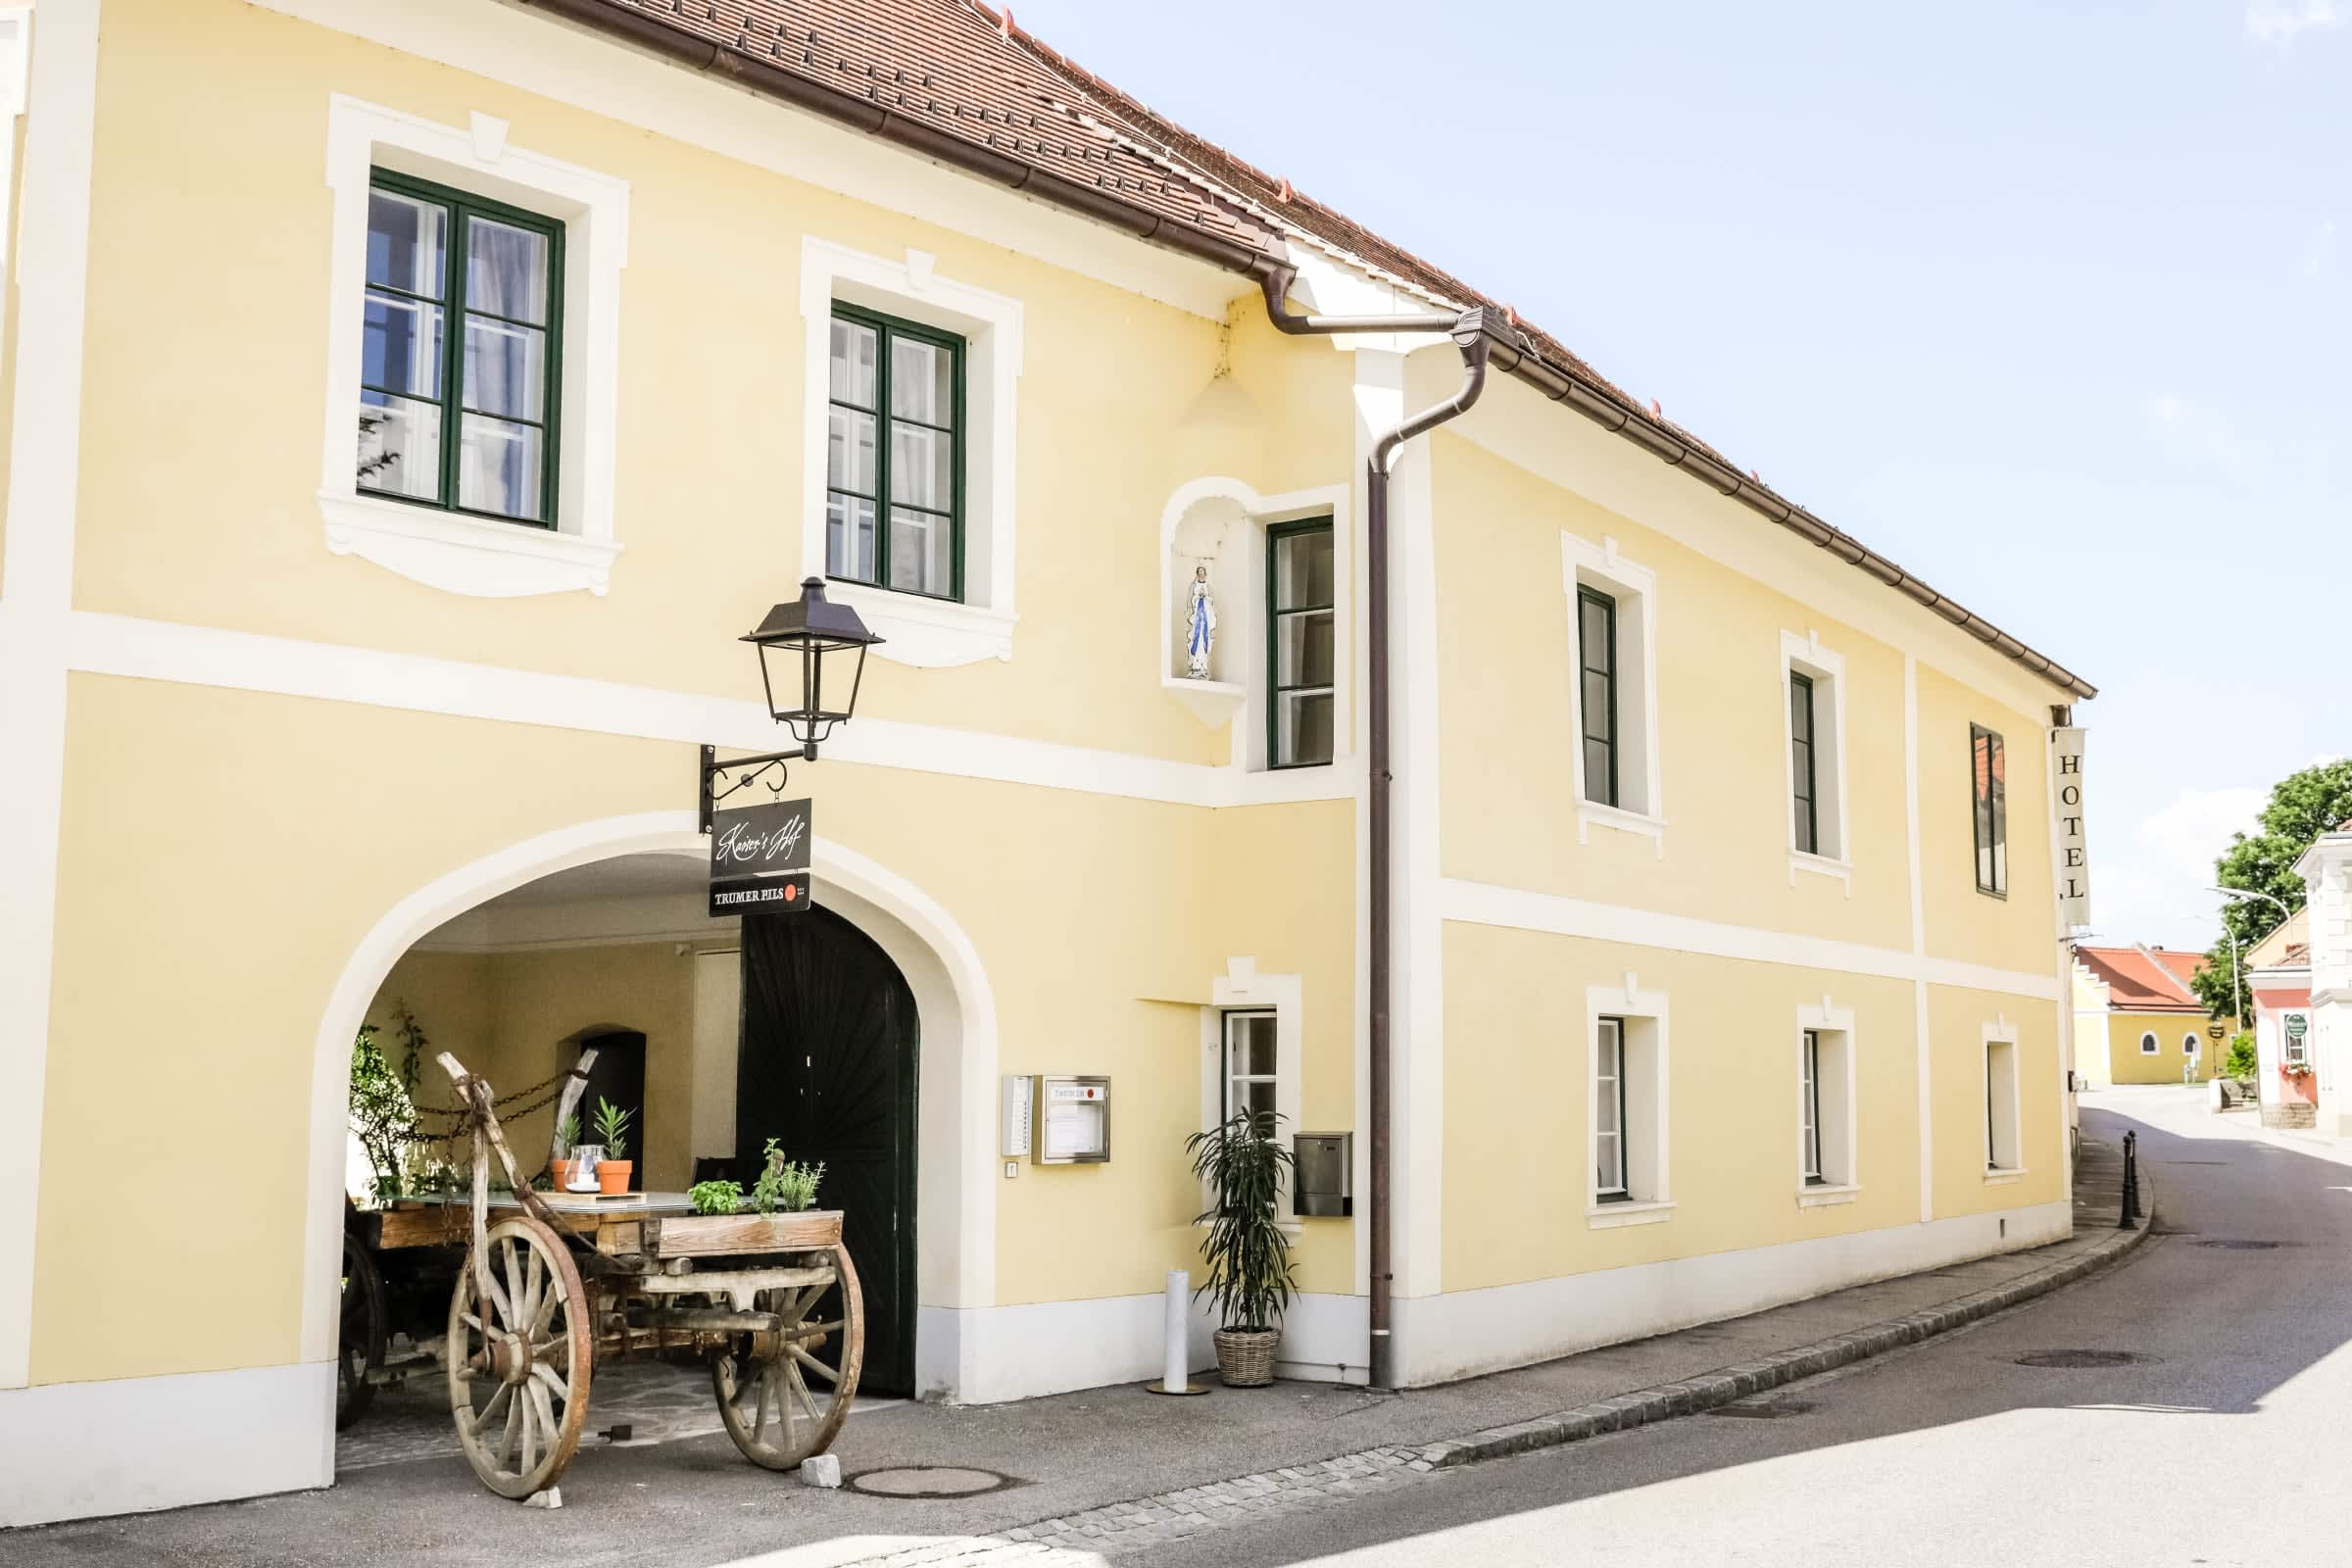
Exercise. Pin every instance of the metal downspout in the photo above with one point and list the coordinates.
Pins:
(1471, 333)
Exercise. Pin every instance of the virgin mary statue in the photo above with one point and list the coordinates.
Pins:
(1203, 634)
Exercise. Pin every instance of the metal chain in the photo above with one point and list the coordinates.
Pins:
(464, 1117)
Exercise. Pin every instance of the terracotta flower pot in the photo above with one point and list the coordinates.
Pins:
(612, 1176)
(562, 1170)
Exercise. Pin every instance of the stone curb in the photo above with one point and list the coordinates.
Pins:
(1711, 1390)
(1079, 1540)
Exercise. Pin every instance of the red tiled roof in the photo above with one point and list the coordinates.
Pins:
(2139, 983)
(954, 77)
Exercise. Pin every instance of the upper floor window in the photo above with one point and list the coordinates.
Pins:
(894, 455)
(1301, 717)
(459, 358)
(1989, 780)
(1596, 674)
(1802, 768)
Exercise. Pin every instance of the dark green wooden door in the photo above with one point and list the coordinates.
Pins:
(827, 1066)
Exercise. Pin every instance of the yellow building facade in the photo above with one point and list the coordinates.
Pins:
(2139, 1022)
(289, 752)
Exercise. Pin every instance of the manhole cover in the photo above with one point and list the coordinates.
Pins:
(2083, 1358)
(928, 1481)
(1764, 1409)
(2238, 1243)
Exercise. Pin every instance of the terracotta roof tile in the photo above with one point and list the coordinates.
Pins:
(2139, 982)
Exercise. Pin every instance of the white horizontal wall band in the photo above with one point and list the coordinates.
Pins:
(72, 1450)
(1488, 904)
(203, 656)
(1465, 1333)
(1033, 1349)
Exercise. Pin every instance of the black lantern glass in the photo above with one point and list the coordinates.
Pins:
(811, 659)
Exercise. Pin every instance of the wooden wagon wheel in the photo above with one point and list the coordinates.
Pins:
(783, 1396)
(518, 1362)
(360, 1333)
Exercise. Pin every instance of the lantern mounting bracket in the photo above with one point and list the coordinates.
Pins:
(743, 771)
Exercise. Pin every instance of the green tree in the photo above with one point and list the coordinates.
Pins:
(2302, 806)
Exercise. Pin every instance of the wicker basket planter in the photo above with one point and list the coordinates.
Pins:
(1246, 1357)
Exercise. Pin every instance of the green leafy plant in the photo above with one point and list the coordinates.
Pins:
(2302, 806)
(2241, 1062)
(785, 1186)
(383, 1116)
(567, 1134)
(611, 1128)
(1250, 1268)
(715, 1197)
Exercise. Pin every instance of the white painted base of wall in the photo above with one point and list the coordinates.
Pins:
(986, 1355)
(1465, 1333)
(70, 1450)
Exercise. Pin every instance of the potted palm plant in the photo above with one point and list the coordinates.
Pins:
(611, 1130)
(1248, 1256)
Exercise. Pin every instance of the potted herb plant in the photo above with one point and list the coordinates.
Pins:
(567, 1138)
(1247, 1254)
(612, 1172)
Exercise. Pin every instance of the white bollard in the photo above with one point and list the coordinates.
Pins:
(1175, 1369)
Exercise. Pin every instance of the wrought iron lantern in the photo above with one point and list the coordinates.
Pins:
(811, 661)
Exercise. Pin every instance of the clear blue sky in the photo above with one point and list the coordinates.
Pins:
(2048, 302)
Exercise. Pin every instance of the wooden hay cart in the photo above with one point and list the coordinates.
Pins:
(554, 1284)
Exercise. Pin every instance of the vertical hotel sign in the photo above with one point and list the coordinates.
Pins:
(759, 858)
(2074, 857)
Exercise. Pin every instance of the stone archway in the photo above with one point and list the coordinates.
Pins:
(956, 1197)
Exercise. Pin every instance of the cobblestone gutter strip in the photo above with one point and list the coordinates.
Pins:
(1086, 1537)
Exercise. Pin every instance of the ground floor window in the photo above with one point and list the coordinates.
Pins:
(2188, 1043)
(2147, 1043)
(2001, 1148)
(1608, 1099)
(1249, 1072)
(1809, 1105)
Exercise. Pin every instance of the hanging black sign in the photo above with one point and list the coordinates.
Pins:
(759, 858)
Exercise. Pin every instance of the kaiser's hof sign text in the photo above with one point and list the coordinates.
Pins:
(2074, 857)
(759, 858)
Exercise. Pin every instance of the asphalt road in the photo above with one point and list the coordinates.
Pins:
(2224, 1442)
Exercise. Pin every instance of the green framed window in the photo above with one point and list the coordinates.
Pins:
(1301, 716)
(1596, 661)
(1808, 1100)
(461, 351)
(894, 455)
(1608, 1113)
(1988, 769)
(1801, 764)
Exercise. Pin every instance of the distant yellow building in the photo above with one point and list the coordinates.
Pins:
(409, 408)
(2140, 1000)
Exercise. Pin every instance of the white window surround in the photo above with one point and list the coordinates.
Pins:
(448, 550)
(1805, 656)
(1635, 589)
(2147, 1043)
(924, 632)
(1223, 519)
(1645, 1067)
(2001, 1099)
(1834, 1027)
(1242, 989)
(2189, 1044)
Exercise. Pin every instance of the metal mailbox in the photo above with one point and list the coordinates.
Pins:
(1073, 1119)
(1323, 1174)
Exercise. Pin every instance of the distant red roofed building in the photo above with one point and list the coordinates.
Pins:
(2142, 1003)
